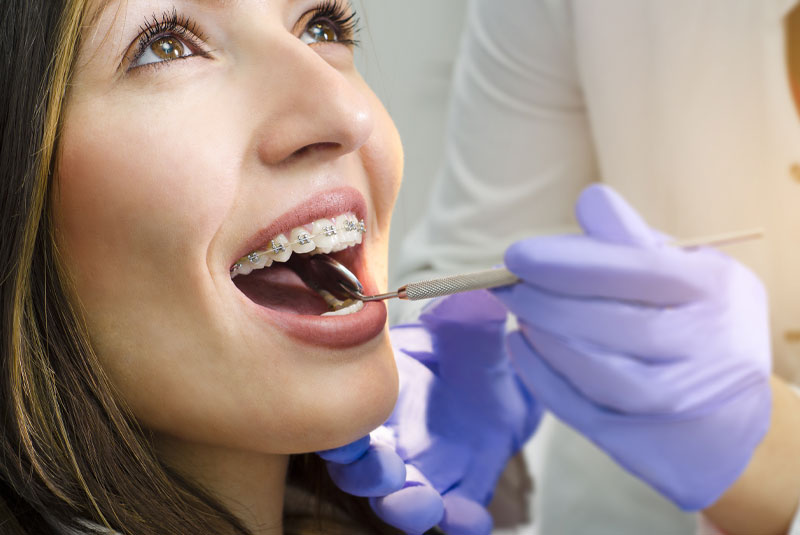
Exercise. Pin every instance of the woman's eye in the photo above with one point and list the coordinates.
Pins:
(320, 31)
(163, 48)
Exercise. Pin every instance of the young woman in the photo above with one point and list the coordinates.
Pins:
(161, 161)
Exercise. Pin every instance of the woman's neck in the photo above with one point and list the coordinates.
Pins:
(250, 485)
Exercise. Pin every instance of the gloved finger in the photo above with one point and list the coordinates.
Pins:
(443, 459)
(467, 334)
(615, 381)
(463, 516)
(479, 481)
(550, 388)
(629, 385)
(378, 472)
(603, 214)
(471, 322)
(634, 386)
(348, 453)
(650, 333)
(414, 509)
(580, 266)
(447, 453)
(475, 308)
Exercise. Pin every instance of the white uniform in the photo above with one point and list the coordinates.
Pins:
(683, 106)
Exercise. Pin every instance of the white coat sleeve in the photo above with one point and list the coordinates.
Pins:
(518, 148)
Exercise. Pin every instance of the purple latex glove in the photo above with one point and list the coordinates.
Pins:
(461, 414)
(660, 356)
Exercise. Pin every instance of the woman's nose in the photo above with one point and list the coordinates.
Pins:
(312, 107)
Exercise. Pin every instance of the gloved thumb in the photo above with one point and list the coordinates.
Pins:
(378, 472)
(603, 214)
(463, 516)
(415, 508)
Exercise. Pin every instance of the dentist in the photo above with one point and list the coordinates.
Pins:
(687, 109)
(660, 356)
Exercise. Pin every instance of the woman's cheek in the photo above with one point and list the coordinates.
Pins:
(126, 181)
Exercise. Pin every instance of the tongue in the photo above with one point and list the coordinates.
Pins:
(279, 288)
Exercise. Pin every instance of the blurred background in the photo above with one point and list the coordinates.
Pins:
(406, 55)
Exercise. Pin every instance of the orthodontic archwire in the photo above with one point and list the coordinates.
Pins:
(349, 225)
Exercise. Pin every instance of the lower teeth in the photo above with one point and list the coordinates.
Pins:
(355, 307)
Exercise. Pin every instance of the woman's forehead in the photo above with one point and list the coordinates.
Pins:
(102, 16)
(97, 8)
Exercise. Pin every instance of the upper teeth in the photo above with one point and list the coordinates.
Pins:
(321, 236)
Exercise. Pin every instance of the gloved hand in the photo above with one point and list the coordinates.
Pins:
(460, 416)
(659, 355)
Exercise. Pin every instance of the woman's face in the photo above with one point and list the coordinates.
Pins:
(196, 132)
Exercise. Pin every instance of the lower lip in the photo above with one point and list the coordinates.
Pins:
(336, 332)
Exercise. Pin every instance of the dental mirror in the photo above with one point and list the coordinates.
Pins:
(326, 268)
(329, 270)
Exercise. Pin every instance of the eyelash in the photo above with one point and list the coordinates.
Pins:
(335, 12)
(171, 23)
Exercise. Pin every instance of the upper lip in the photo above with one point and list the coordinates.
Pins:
(325, 204)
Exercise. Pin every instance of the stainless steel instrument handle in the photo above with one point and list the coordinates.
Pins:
(488, 278)
(493, 278)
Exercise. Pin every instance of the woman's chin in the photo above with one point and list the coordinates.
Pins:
(358, 407)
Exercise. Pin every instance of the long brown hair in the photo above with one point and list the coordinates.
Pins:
(69, 449)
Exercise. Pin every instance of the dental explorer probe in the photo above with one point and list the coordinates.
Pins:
(489, 278)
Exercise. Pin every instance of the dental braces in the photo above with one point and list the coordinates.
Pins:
(349, 225)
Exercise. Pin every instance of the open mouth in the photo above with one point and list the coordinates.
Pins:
(272, 278)
(278, 276)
